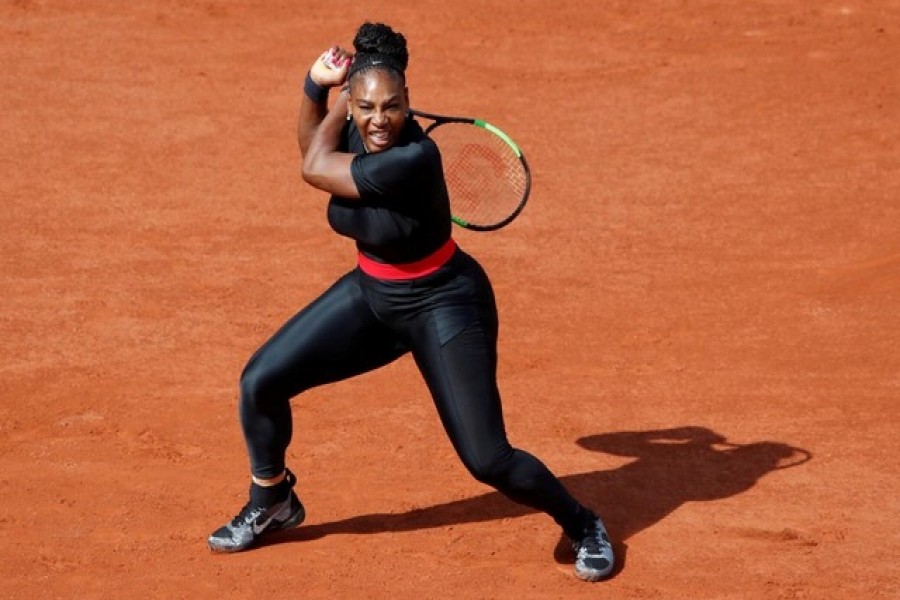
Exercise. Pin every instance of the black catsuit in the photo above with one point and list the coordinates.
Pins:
(447, 319)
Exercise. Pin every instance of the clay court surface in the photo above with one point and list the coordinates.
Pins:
(699, 306)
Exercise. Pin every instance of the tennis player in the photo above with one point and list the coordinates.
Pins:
(413, 291)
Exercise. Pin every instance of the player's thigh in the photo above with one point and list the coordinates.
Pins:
(461, 375)
(333, 338)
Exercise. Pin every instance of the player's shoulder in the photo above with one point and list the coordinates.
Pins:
(413, 134)
(427, 146)
(415, 144)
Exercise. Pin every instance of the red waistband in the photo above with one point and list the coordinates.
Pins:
(420, 268)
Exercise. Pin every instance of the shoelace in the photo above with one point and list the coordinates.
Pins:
(247, 514)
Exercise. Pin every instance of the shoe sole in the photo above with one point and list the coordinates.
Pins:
(592, 577)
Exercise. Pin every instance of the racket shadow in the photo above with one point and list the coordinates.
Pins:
(671, 467)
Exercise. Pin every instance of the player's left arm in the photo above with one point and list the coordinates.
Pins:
(328, 71)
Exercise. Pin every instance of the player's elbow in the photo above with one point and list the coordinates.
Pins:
(310, 170)
(329, 173)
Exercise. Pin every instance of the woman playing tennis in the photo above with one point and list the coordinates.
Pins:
(413, 291)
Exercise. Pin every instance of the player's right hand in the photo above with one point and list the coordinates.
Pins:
(330, 69)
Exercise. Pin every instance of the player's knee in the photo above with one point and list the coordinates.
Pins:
(256, 389)
(490, 468)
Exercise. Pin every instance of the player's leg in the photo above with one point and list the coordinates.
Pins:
(460, 376)
(334, 338)
(457, 355)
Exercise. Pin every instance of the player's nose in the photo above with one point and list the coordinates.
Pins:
(379, 119)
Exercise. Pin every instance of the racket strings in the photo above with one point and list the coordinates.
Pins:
(486, 180)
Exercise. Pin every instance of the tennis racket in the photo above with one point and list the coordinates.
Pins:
(488, 180)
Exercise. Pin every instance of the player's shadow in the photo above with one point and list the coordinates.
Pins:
(671, 467)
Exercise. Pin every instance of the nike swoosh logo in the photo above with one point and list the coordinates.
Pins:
(260, 527)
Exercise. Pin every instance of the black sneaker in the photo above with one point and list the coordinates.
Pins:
(253, 522)
(593, 553)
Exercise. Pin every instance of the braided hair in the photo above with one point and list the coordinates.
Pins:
(379, 46)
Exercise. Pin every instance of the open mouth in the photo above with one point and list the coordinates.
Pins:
(379, 139)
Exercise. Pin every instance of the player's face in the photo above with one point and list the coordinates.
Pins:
(378, 103)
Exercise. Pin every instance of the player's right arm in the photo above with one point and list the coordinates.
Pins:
(329, 70)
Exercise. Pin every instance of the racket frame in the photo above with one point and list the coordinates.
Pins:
(438, 120)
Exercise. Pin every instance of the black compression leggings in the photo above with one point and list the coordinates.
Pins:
(448, 320)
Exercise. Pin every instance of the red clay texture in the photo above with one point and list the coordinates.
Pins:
(699, 305)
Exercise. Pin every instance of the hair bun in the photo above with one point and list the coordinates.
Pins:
(378, 38)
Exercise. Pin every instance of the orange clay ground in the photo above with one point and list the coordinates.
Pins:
(699, 305)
